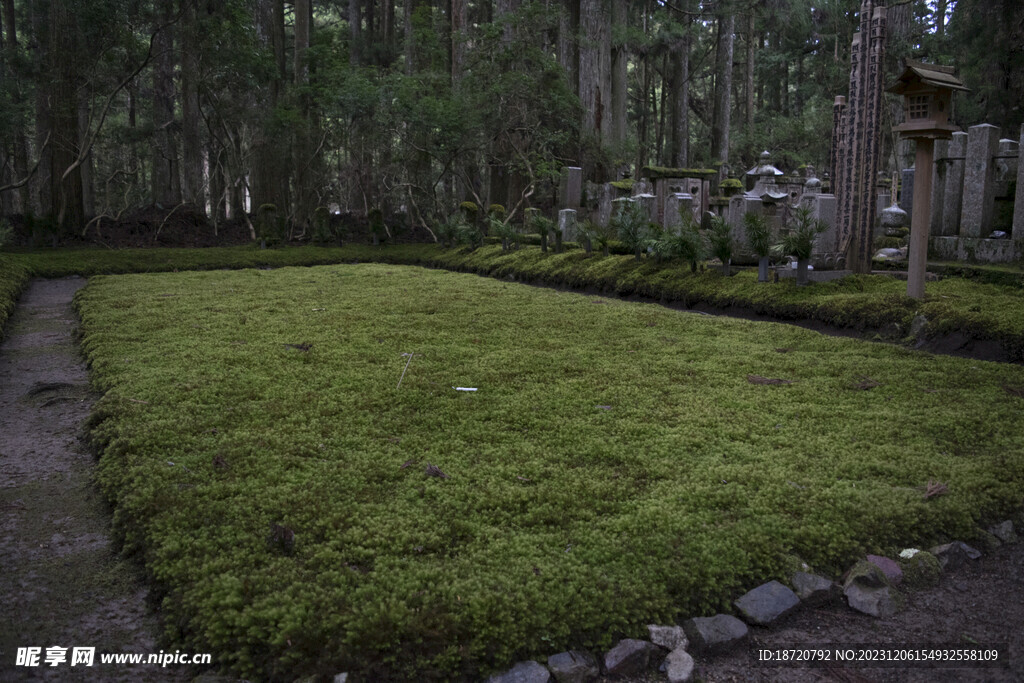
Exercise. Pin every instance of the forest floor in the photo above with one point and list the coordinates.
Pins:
(64, 584)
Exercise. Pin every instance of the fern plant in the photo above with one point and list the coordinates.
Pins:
(631, 225)
(722, 242)
(759, 239)
(799, 241)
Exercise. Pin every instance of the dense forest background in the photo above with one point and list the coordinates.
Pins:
(409, 107)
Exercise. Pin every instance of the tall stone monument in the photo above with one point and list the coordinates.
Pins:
(858, 137)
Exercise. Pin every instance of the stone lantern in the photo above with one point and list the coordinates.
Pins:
(927, 91)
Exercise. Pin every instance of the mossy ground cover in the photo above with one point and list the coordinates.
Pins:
(990, 306)
(620, 463)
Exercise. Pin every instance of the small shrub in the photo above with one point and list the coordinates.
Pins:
(323, 233)
(759, 239)
(722, 242)
(688, 244)
(6, 232)
(798, 242)
(269, 226)
(543, 226)
(632, 227)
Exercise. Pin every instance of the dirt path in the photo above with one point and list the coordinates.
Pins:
(61, 583)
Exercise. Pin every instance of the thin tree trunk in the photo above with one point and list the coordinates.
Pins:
(40, 184)
(87, 167)
(354, 32)
(164, 155)
(618, 76)
(723, 88)
(663, 152)
(65, 192)
(568, 52)
(193, 188)
(749, 110)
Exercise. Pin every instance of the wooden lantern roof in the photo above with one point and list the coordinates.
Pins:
(942, 77)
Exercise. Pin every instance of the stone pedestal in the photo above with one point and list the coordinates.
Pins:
(648, 202)
(677, 205)
(953, 185)
(567, 224)
(571, 187)
(1018, 206)
(979, 180)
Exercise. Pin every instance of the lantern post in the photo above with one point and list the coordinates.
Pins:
(927, 91)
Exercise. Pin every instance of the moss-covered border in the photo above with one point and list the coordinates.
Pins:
(872, 306)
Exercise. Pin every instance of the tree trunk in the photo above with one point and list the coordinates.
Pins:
(723, 88)
(40, 184)
(270, 162)
(594, 75)
(354, 32)
(164, 154)
(749, 91)
(801, 272)
(193, 187)
(459, 17)
(19, 139)
(303, 150)
(618, 76)
(762, 269)
(65, 192)
(568, 52)
(681, 100)
(87, 167)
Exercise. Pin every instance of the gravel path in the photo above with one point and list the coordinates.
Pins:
(61, 582)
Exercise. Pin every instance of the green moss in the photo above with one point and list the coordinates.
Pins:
(13, 276)
(469, 207)
(656, 172)
(731, 184)
(625, 184)
(921, 570)
(607, 473)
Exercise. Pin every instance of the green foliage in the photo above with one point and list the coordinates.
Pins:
(632, 227)
(270, 226)
(6, 232)
(573, 477)
(13, 276)
(721, 241)
(502, 228)
(496, 211)
(323, 232)
(759, 233)
(469, 208)
(798, 241)
(688, 244)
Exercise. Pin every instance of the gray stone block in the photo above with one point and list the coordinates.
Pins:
(813, 589)
(979, 181)
(523, 672)
(719, 633)
(629, 657)
(955, 554)
(668, 637)
(679, 666)
(575, 666)
(767, 603)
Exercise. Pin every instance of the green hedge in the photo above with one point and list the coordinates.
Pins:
(13, 276)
